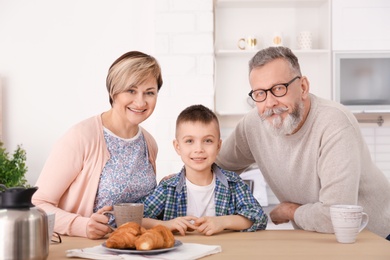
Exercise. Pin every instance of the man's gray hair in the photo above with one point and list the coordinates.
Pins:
(269, 54)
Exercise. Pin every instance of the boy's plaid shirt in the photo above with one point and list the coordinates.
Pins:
(232, 197)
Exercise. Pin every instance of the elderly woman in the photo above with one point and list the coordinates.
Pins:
(106, 159)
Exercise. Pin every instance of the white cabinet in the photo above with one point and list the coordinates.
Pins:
(361, 54)
(235, 19)
(361, 25)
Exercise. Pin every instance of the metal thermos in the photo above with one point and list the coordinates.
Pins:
(24, 228)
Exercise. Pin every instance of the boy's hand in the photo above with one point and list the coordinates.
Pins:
(209, 225)
(182, 224)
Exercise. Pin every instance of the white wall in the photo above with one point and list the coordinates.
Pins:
(54, 57)
(185, 49)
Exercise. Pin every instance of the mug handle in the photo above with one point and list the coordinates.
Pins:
(241, 44)
(108, 213)
(364, 221)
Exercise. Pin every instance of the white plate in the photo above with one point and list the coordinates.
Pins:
(142, 252)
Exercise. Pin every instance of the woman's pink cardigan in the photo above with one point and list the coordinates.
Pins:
(69, 180)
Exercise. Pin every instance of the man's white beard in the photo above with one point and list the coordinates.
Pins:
(278, 126)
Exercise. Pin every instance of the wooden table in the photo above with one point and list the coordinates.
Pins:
(267, 244)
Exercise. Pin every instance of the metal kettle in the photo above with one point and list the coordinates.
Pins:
(24, 227)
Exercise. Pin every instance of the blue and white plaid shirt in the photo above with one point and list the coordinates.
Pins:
(232, 197)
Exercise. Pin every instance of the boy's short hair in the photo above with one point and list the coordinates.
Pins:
(197, 113)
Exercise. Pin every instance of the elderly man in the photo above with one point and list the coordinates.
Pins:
(310, 150)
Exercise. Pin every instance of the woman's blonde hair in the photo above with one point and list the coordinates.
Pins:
(132, 69)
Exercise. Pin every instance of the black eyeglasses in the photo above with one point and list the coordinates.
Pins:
(278, 90)
(56, 238)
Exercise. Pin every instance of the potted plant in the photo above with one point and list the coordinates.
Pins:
(13, 169)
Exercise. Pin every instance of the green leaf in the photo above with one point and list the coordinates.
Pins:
(13, 169)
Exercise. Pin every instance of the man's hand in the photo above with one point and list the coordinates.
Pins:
(283, 213)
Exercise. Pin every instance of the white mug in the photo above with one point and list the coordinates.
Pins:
(126, 212)
(348, 221)
(50, 226)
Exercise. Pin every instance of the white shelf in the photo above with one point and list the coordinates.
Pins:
(269, 3)
(236, 19)
(228, 53)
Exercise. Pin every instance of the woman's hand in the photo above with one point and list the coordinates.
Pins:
(168, 176)
(97, 225)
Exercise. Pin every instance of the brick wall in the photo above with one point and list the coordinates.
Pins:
(184, 46)
(378, 141)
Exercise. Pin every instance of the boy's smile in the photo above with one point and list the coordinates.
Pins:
(198, 145)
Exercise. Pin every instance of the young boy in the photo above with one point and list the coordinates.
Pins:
(202, 196)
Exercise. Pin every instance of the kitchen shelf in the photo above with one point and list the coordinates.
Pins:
(235, 19)
(269, 3)
(222, 53)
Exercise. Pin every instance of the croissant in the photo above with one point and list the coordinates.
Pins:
(125, 236)
(155, 238)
